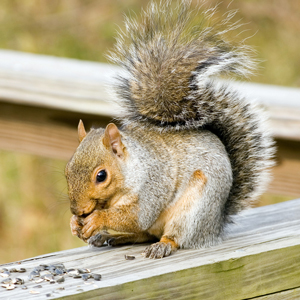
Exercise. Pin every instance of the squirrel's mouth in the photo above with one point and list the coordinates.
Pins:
(98, 205)
(85, 215)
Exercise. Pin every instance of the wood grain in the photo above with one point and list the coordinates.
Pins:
(42, 131)
(85, 87)
(286, 173)
(293, 294)
(259, 257)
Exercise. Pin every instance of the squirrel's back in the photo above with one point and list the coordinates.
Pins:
(171, 66)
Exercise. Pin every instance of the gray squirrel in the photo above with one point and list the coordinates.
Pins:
(190, 153)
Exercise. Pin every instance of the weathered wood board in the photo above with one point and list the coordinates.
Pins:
(42, 99)
(259, 258)
(85, 87)
(285, 295)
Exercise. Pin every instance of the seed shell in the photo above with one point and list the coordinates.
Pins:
(10, 287)
(13, 270)
(6, 281)
(38, 286)
(84, 271)
(21, 270)
(60, 279)
(48, 277)
(3, 270)
(96, 276)
(34, 292)
(85, 277)
(18, 281)
(129, 257)
(5, 274)
(59, 271)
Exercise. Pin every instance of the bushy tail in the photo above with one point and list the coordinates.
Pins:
(171, 64)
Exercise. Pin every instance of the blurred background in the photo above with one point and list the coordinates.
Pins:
(34, 208)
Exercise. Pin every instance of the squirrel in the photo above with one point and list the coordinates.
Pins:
(190, 153)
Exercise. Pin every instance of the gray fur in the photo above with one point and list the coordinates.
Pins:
(160, 176)
(177, 122)
(170, 87)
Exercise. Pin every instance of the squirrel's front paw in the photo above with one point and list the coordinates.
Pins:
(92, 225)
(99, 239)
(75, 225)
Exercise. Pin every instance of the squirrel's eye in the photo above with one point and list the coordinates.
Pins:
(101, 176)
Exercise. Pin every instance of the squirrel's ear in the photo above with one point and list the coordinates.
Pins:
(81, 131)
(112, 139)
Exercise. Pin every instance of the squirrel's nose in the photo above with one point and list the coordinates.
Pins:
(78, 212)
(74, 211)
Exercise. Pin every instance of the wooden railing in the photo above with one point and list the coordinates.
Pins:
(41, 100)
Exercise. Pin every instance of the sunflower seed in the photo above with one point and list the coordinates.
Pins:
(7, 281)
(48, 277)
(60, 279)
(21, 270)
(32, 277)
(85, 277)
(5, 274)
(38, 269)
(45, 272)
(38, 286)
(18, 281)
(72, 272)
(84, 271)
(10, 287)
(59, 271)
(129, 257)
(52, 270)
(96, 276)
(13, 270)
(3, 270)
(62, 266)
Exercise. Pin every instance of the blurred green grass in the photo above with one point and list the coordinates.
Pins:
(34, 210)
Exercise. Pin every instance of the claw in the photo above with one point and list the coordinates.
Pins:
(111, 242)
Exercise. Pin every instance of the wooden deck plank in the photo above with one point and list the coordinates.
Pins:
(260, 257)
(293, 294)
(42, 99)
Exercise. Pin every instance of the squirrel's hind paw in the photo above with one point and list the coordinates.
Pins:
(158, 250)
